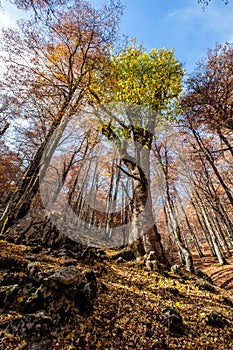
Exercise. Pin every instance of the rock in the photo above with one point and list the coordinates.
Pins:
(34, 272)
(66, 276)
(90, 276)
(12, 263)
(38, 230)
(85, 298)
(151, 256)
(152, 265)
(8, 294)
(149, 265)
(36, 328)
(61, 291)
(203, 275)
(176, 269)
(101, 287)
(201, 284)
(68, 262)
(13, 278)
(173, 320)
(216, 319)
(120, 260)
(127, 254)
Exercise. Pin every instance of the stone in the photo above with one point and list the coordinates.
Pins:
(120, 260)
(216, 319)
(101, 287)
(8, 295)
(85, 298)
(12, 263)
(65, 276)
(127, 254)
(151, 256)
(176, 269)
(203, 285)
(90, 276)
(173, 320)
(152, 265)
(34, 327)
(203, 275)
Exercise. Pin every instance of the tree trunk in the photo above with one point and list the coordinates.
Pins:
(143, 229)
(20, 203)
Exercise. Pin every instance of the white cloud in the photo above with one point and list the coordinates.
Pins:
(185, 14)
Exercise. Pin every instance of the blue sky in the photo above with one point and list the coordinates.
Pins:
(178, 24)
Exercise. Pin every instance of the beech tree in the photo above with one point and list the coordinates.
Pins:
(144, 90)
(210, 97)
(208, 107)
(169, 170)
(207, 118)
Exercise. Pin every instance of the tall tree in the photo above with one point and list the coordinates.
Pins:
(145, 89)
(51, 64)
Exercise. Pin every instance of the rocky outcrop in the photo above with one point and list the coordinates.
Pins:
(37, 230)
(45, 298)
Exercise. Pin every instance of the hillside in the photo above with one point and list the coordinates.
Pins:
(129, 307)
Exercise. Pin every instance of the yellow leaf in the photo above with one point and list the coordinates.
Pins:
(70, 335)
(98, 345)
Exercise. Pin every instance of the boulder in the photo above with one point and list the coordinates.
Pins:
(62, 290)
(37, 229)
(173, 320)
(127, 254)
(67, 276)
(215, 319)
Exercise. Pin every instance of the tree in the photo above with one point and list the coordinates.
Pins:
(206, 2)
(208, 107)
(169, 170)
(210, 96)
(51, 65)
(207, 118)
(144, 91)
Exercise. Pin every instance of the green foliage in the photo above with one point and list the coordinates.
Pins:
(151, 79)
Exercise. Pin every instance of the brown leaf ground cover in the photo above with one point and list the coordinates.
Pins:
(131, 310)
(221, 275)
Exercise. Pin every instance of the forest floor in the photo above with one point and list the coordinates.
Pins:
(221, 275)
(134, 308)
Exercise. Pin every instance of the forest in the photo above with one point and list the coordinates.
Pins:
(116, 187)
